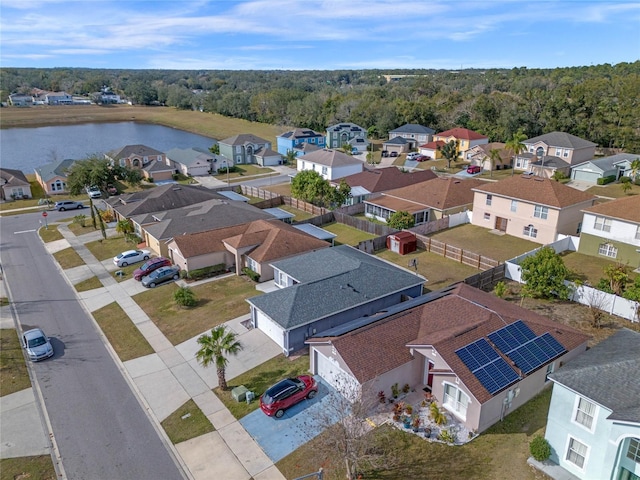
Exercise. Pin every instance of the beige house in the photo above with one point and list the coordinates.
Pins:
(561, 145)
(480, 155)
(53, 176)
(530, 207)
(13, 185)
(253, 245)
(153, 164)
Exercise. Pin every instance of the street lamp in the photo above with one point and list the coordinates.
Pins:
(226, 164)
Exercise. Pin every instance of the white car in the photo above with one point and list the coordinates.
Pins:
(94, 192)
(412, 155)
(130, 257)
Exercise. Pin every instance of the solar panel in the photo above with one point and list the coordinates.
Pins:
(510, 337)
(489, 368)
(536, 352)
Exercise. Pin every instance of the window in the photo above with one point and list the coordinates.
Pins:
(566, 153)
(638, 233)
(487, 216)
(58, 186)
(456, 400)
(550, 369)
(603, 224)
(489, 198)
(539, 152)
(558, 152)
(541, 212)
(324, 170)
(634, 450)
(608, 250)
(576, 452)
(585, 412)
(514, 205)
(530, 231)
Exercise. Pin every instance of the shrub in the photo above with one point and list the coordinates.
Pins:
(605, 180)
(185, 297)
(107, 216)
(437, 415)
(447, 436)
(540, 449)
(625, 179)
(500, 289)
(255, 276)
(80, 220)
(206, 272)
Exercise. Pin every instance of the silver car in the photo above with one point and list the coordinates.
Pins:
(68, 205)
(130, 257)
(36, 344)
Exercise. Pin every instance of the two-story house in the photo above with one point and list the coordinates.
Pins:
(247, 148)
(480, 155)
(564, 146)
(58, 98)
(414, 134)
(612, 230)
(152, 163)
(533, 208)
(53, 176)
(342, 133)
(329, 163)
(465, 139)
(593, 425)
(294, 140)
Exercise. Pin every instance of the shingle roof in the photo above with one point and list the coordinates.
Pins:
(413, 128)
(433, 145)
(608, 374)
(551, 161)
(346, 126)
(330, 158)
(560, 139)
(543, 191)
(382, 179)
(438, 193)
(625, 208)
(462, 133)
(608, 163)
(190, 156)
(448, 323)
(301, 133)
(136, 150)
(13, 177)
(396, 141)
(52, 170)
(243, 138)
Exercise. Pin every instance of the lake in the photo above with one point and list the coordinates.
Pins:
(28, 148)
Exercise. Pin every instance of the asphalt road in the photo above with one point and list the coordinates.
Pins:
(101, 430)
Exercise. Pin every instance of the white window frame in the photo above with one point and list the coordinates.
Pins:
(584, 413)
(633, 451)
(541, 212)
(530, 231)
(487, 216)
(602, 223)
(489, 199)
(638, 233)
(454, 401)
(325, 170)
(550, 369)
(608, 250)
(514, 205)
(571, 449)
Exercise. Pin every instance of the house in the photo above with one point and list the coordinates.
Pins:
(325, 289)
(247, 148)
(253, 245)
(368, 182)
(358, 145)
(153, 164)
(195, 161)
(426, 201)
(530, 207)
(612, 230)
(548, 166)
(396, 145)
(53, 176)
(20, 100)
(158, 228)
(480, 155)
(14, 185)
(414, 134)
(329, 163)
(593, 425)
(596, 168)
(432, 149)
(465, 139)
(571, 149)
(481, 357)
(341, 133)
(295, 139)
(58, 98)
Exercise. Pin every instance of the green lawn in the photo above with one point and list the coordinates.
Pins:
(587, 268)
(347, 235)
(13, 371)
(26, 468)
(68, 258)
(186, 423)
(123, 335)
(88, 284)
(300, 215)
(244, 171)
(50, 234)
(105, 249)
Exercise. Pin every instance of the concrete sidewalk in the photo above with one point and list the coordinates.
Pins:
(168, 378)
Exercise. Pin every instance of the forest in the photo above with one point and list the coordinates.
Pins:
(599, 103)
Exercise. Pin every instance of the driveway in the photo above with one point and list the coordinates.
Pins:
(278, 437)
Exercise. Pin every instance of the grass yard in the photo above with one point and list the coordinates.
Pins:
(104, 249)
(283, 189)
(439, 271)
(259, 379)
(123, 335)
(186, 423)
(244, 171)
(587, 268)
(218, 301)
(88, 284)
(613, 190)
(50, 234)
(13, 371)
(478, 240)
(39, 467)
(68, 258)
(79, 230)
(300, 215)
(347, 235)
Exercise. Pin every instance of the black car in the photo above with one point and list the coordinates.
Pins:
(385, 153)
(393, 154)
(161, 275)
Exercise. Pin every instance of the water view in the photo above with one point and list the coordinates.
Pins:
(28, 148)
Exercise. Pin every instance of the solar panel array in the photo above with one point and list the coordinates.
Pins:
(512, 336)
(489, 368)
(536, 352)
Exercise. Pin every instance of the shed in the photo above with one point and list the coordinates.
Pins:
(402, 242)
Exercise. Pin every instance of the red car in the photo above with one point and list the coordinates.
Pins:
(149, 266)
(287, 393)
(473, 169)
(422, 158)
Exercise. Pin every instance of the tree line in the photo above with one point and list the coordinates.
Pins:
(599, 103)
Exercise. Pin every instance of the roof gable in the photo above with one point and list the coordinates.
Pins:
(625, 208)
(382, 179)
(413, 128)
(330, 158)
(462, 133)
(560, 139)
(133, 151)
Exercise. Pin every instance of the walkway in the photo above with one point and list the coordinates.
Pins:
(168, 378)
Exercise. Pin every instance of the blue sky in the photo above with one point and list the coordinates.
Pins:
(316, 34)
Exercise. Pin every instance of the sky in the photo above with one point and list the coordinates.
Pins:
(317, 34)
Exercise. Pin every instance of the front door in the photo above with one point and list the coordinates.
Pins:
(501, 224)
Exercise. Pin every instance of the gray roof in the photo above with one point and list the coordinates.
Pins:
(609, 163)
(330, 158)
(13, 177)
(560, 139)
(608, 374)
(317, 232)
(413, 128)
(243, 139)
(551, 161)
(52, 170)
(352, 127)
(190, 156)
(278, 213)
(344, 274)
(300, 133)
(231, 195)
(396, 141)
(129, 150)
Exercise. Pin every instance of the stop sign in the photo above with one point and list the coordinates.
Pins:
(44, 214)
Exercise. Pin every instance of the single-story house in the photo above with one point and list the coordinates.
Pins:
(481, 357)
(613, 166)
(480, 155)
(327, 288)
(194, 161)
(14, 185)
(152, 163)
(53, 176)
(329, 163)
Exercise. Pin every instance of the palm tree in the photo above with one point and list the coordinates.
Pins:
(291, 157)
(516, 146)
(215, 347)
(635, 169)
(449, 151)
(494, 156)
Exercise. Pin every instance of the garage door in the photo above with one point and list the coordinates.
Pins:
(335, 376)
(271, 328)
(199, 171)
(582, 176)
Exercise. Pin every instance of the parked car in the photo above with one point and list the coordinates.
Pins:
(393, 154)
(385, 153)
(161, 275)
(287, 393)
(36, 344)
(149, 266)
(412, 155)
(473, 169)
(94, 192)
(111, 190)
(68, 205)
(422, 158)
(130, 257)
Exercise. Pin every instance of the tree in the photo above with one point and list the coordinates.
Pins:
(215, 348)
(184, 297)
(635, 169)
(544, 274)
(401, 220)
(494, 158)
(615, 279)
(101, 222)
(309, 186)
(449, 151)
(215, 149)
(626, 186)
(125, 227)
(516, 146)
(99, 172)
(291, 157)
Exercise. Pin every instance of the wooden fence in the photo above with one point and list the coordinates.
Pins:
(456, 253)
(487, 279)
